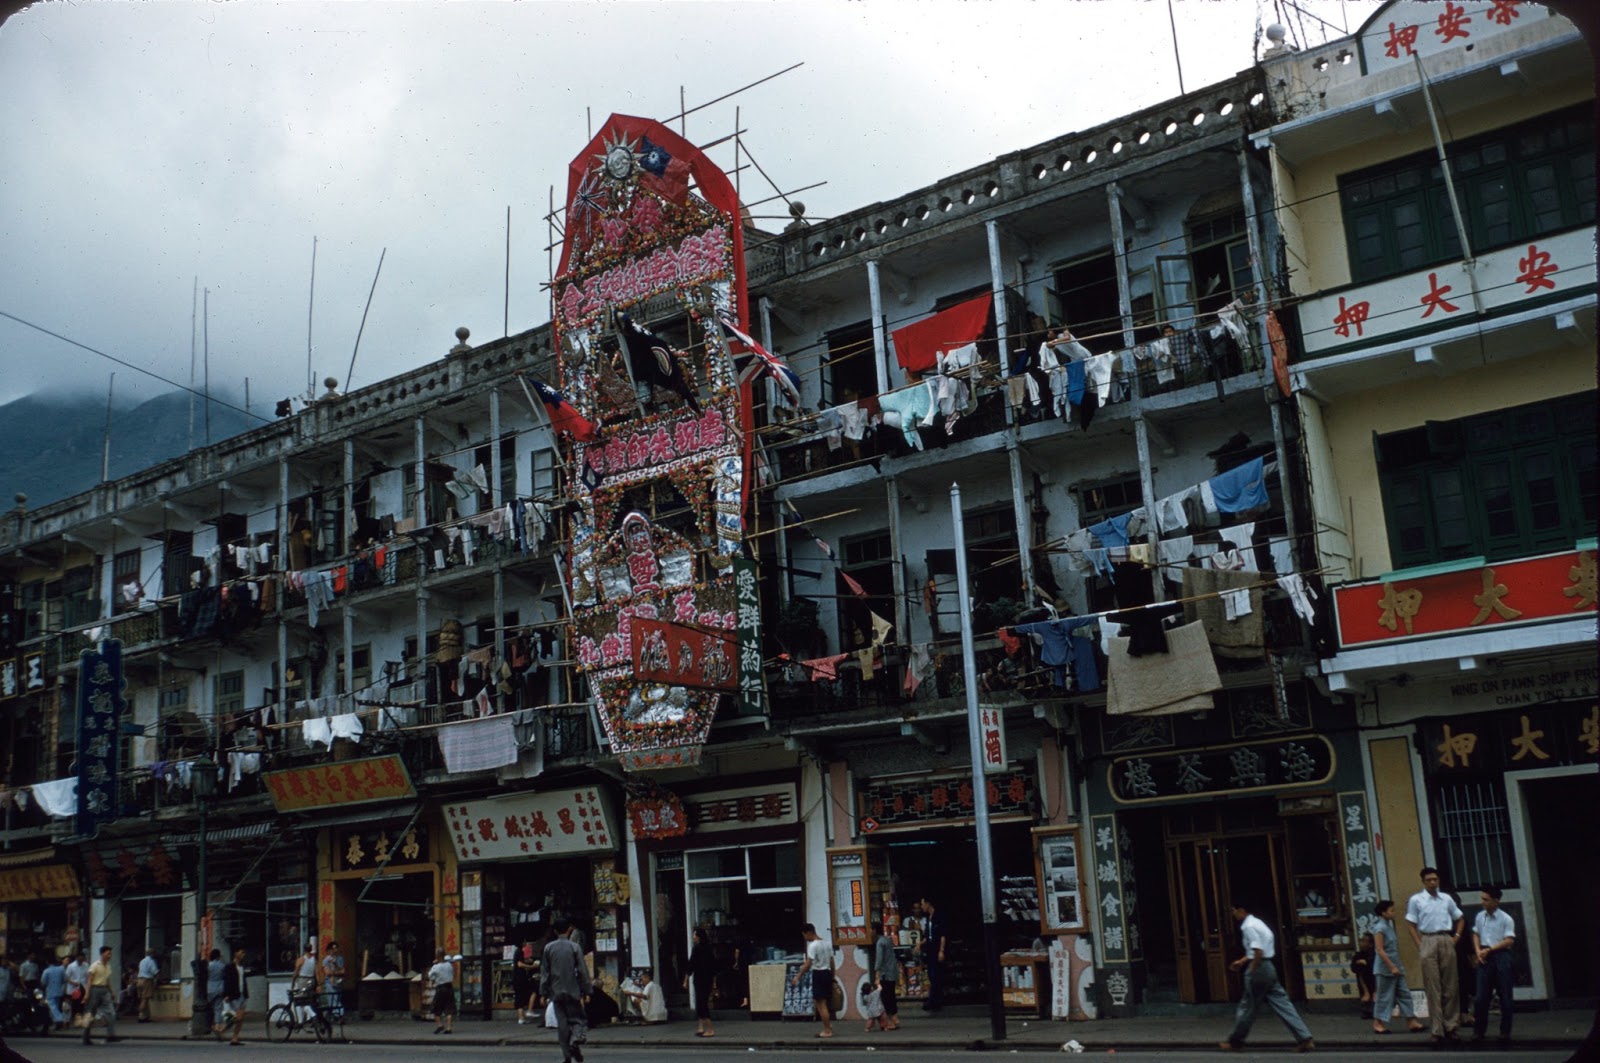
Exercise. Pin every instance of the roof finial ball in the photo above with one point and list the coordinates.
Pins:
(462, 347)
(1278, 34)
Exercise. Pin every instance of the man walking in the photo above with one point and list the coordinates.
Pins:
(149, 969)
(1435, 922)
(54, 983)
(235, 991)
(101, 1005)
(933, 946)
(1261, 985)
(1493, 935)
(564, 981)
(819, 961)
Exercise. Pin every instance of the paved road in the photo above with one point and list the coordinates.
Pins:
(61, 1050)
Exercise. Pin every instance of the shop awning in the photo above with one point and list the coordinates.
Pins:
(364, 815)
(46, 882)
(225, 834)
(29, 856)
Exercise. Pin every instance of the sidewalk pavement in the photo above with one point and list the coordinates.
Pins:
(1202, 1027)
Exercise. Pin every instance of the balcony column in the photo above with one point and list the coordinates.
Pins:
(283, 565)
(422, 634)
(421, 486)
(897, 566)
(494, 450)
(350, 653)
(348, 518)
(1019, 495)
(880, 344)
(1263, 278)
(1141, 430)
(499, 611)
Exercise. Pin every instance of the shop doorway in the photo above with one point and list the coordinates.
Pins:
(394, 925)
(1566, 877)
(941, 863)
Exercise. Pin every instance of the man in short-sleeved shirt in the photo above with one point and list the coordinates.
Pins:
(1261, 985)
(819, 962)
(1435, 922)
(1493, 935)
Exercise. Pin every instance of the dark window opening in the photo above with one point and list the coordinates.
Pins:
(852, 371)
(1090, 306)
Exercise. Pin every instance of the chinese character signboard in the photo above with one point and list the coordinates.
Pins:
(349, 782)
(556, 823)
(1426, 29)
(992, 738)
(1360, 861)
(381, 848)
(659, 410)
(1538, 736)
(100, 708)
(747, 598)
(691, 657)
(1553, 587)
(49, 882)
(918, 801)
(658, 816)
(1105, 863)
(1558, 266)
(10, 678)
(1301, 760)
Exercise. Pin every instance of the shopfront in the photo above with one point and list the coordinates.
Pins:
(40, 905)
(1259, 800)
(733, 867)
(918, 843)
(526, 859)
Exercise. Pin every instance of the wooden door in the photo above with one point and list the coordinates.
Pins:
(1198, 890)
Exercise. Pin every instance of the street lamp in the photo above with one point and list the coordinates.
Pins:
(203, 784)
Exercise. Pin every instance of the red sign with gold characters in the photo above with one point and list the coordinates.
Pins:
(672, 653)
(1496, 595)
(350, 782)
(45, 883)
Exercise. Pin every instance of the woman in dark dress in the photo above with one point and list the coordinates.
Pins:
(703, 972)
(525, 985)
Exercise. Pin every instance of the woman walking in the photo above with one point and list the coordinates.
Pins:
(703, 973)
(525, 985)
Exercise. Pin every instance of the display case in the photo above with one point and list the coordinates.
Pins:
(1059, 885)
(1311, 828)
(858, 885)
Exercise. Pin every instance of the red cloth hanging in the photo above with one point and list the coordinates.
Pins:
(917, 346)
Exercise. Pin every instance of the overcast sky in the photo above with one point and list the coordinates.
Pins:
(147, 144)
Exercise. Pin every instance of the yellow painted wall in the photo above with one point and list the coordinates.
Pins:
(1402, 836)
(1350, 420)
(1320, 222)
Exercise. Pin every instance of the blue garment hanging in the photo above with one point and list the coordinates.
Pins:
(1112, 532)
(1077, 382)
(1242, 489)
(1085, 668)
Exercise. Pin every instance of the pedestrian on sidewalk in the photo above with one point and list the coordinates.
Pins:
(564, 981)
(885, 973)
(442, 976)
(216, 985)
(932, 947)
(77, 986)
(1493, 935)
(102, 1004)
(1435, 921)
(819, 962)
(1390, 976)
(235, 991)
(333, 981)
(1261, 985)
(525, 985)
(54, 984)
(149, 970)
(703, 975)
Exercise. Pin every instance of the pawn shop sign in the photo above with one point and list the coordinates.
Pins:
(868, 824)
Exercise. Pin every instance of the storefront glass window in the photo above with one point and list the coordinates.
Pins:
(286, 927)
(774, 867)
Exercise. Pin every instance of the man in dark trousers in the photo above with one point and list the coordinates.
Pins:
(564, 980)
(933, 947)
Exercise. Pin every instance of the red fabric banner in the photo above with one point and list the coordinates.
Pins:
(917, 346)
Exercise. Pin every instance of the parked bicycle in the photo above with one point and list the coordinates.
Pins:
(316, 1013)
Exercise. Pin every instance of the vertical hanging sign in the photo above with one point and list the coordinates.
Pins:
(993, 721)
(747, 600)
(100, 707)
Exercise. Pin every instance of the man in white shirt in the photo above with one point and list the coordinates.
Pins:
(1261, 985)
(149, 969)
(1493, 936)
(1435, 922)
(819, 961)
(643, 1000)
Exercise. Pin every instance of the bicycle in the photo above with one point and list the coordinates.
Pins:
(304, 1012)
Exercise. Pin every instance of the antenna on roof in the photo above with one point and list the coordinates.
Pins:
(363, 327)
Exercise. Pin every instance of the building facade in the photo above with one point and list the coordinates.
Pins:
(1276, 487)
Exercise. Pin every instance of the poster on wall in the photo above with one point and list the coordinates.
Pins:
(1060, 887)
